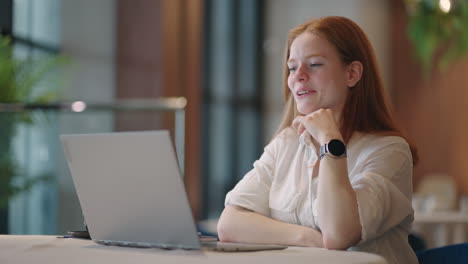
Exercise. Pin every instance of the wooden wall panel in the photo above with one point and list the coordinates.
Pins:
(139, 49)
(182, 59)
(159, 55)
(433, 110)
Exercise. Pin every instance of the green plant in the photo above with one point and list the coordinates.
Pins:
(19, 79)
(435, 31)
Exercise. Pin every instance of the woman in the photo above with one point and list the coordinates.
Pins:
(338, 174)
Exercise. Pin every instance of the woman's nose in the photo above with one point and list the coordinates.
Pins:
(301, 73)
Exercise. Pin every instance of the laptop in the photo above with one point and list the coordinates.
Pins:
(132, 194)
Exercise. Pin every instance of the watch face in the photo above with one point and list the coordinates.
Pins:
(336, 147)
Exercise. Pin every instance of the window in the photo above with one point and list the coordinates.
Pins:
(232, 106)
(33, 27)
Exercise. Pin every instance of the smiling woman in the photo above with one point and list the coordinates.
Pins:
(317, 76)
(338, 174)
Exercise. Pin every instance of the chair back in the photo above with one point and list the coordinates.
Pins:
(452, 254)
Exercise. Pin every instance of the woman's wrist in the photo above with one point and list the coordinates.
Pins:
(329, 136)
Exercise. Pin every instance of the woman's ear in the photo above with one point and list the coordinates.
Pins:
(354, 73)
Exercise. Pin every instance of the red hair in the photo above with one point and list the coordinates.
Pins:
(367, 108)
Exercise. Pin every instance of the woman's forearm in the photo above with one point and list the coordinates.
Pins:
(240, 225)
(337, 205)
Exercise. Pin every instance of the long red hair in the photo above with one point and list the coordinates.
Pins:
(367, 108)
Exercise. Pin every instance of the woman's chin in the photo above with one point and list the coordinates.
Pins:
(306, 111)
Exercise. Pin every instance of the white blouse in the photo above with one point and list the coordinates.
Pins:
(380, 170)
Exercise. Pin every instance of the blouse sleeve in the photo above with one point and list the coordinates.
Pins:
(383, 190)
(252, 192)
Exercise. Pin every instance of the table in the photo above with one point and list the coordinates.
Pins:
(441, 228)
(50, 249)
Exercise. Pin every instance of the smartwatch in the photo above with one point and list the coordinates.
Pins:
(335, 148)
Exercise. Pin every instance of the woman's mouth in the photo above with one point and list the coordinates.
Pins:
(304, 92)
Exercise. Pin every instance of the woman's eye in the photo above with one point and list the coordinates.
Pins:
(292, 69)
(316, 64)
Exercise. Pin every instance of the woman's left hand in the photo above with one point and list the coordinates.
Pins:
(321, 125)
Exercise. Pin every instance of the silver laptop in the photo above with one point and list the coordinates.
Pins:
(132, 194)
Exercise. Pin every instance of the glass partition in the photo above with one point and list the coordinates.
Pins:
(37, 195)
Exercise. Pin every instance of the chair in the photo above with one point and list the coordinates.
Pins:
(439, 190)
(416, 242)
(452, 254)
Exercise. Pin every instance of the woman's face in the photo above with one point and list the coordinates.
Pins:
(317, 77)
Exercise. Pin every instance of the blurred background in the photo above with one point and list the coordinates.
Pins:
(73, 67)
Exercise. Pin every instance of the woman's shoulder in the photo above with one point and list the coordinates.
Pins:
(285, 138)
(375, 142)
(286, 134)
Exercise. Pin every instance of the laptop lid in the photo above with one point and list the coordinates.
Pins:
(130, 188)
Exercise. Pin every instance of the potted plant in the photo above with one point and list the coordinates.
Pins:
(18, 80)
(437, 28)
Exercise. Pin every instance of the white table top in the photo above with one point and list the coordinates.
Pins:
(441, 217)
(50, 249)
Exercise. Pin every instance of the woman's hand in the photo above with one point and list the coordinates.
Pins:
(321, 125)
